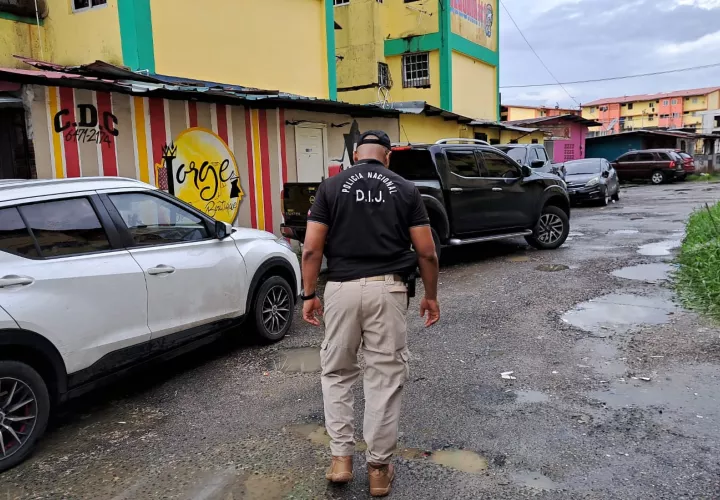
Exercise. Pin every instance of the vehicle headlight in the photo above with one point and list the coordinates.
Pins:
(593, 181)
(285, 243)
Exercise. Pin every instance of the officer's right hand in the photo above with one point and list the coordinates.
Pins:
(312, 311)
(432, 308)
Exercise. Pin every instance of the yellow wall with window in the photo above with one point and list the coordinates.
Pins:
(277, 44)
(696, 103)
(431, 95)
(68, 38)
(516, 113)
(473, 85)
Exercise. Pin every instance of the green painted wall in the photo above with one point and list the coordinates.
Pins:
(136, 34)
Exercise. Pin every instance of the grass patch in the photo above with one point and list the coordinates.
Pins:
(703, 178)
(698, 279)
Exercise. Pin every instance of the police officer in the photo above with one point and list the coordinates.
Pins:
(364, 220)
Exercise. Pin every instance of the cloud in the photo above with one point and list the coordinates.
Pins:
(707, 42)
(589, 39)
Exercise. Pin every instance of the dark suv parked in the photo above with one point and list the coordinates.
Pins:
(472, 191)
(658, 165)
(532, 155)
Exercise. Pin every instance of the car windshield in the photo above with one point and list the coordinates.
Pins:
(517, 154)
(582, 167)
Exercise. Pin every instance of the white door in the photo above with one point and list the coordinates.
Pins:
(310, 151)
(66, 283)
(192, 278)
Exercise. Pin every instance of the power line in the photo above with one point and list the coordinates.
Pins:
(536, 54)
(611, 78)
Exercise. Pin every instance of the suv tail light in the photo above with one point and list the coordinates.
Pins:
(672, 164)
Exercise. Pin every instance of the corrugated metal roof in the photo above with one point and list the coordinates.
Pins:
(544, 119)
(107, 77)
(422, 107)
(651, 97)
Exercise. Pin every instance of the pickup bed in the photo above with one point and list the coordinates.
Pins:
(472, 191)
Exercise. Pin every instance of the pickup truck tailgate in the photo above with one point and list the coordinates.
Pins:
(298, 198)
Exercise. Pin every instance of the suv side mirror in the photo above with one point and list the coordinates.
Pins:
(526, 171)
(222, 230)
(537, 164)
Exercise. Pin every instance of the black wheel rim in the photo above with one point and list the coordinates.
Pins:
(550, 228)
(18, 415)
(276, 310)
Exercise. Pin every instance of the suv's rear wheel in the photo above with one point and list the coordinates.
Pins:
(24, 411)
(273, 309)
(658, 177)
(551, 230)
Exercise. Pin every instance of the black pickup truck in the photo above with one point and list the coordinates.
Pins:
(473, 192)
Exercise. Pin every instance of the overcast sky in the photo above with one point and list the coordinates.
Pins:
(586, 39)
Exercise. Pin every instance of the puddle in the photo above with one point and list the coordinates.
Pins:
(462, 460)
(519, 258)
(527, 397)
(659, 248)
(413, 453)
(533, 480)
(649, 273)
(626, 231)
(693, 391)
(619, 312)
(552, 268)
(601, 356)
(301, 360)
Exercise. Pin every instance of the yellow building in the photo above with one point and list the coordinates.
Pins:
(513, 112)
(443, 52)
(679, 109)
(279, 44)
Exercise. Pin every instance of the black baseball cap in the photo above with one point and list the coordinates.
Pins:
(375, 137)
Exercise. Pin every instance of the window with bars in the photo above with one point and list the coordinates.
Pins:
(340, 2)
(384, 79)
(83, 5)
(416, 70)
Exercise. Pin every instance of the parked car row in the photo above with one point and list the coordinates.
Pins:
(98, 275)
(657, 165)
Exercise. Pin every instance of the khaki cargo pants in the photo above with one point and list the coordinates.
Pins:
(371, 314)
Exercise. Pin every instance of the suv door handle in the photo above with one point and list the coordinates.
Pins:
(160, 270)
(456, 190)
(497, 189)
(14, 280)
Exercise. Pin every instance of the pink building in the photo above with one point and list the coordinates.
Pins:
(564, 135)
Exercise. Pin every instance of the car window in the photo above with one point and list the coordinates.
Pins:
(413, 164)
(65, 227)
(645, 157)
(542, 154)
(463, 163)
(14, 235)
(516, 153)
(630, 157)
(498, 166)
(534, 155)
(150, 220)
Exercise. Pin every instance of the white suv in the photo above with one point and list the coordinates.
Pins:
(100, 274)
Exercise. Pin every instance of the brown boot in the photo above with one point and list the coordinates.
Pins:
(341, 470)
(380, 477)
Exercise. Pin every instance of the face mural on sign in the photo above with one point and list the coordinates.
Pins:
(200, 169)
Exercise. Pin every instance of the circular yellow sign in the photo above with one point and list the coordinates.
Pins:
(206, 175)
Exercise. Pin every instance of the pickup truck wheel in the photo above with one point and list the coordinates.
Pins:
(273, 309)
(551, 230)
(24, 412)
(658, 177)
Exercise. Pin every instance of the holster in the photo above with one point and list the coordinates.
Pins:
(410, 282)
